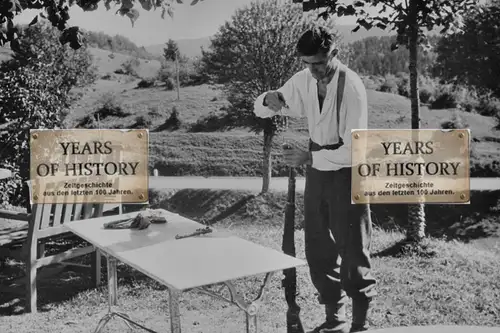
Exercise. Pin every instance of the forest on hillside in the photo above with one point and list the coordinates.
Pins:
(373, 56)
(117, 43)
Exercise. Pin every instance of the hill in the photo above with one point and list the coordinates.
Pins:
(192, 47)
(107, 62)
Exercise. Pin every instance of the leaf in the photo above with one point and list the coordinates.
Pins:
(34, 21)
(381, 26)
(356, 28)
(146, 4)
(194, 2)
(133, 15)
(179, 2)
(394, 46)
(350, 10)
(106, 4)
(359, 4)
(364, 24)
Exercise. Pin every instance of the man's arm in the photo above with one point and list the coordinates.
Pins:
(291, 93)
(356, 105)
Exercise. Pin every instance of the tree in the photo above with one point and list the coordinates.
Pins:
(408, 18)
(171, 53)
(57, 12)
(473, 57)
(35, 93)
(252, 53)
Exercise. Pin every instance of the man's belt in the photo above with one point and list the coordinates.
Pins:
(313, 146)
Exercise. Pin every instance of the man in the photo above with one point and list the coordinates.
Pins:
(337, 233)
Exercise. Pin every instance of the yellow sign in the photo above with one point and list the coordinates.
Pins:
(89, 166)
(410, 166)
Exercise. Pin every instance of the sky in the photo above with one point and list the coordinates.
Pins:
(200, 20)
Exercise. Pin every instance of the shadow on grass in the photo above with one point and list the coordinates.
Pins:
(405, 248)
(60, 283)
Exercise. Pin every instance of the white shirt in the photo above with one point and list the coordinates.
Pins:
(301, 95)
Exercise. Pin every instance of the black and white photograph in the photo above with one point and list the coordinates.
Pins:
(270, 166)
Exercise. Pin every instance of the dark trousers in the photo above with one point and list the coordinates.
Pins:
(337, 238)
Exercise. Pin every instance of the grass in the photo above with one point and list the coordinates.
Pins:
(239, 152)
(458, 286)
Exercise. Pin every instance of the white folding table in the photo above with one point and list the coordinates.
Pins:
(197, 263)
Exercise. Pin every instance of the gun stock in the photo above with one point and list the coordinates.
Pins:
(293, 322)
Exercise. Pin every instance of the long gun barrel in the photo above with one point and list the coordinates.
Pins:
(294, 325)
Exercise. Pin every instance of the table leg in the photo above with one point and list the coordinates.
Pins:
(175, 315)
(251, 309)
(113, 300)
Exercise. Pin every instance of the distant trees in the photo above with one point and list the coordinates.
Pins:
(117, 43)
(57, 12)
(373, 56)
(171, 53)
(35, 93)
(252, 53)
(473, 57)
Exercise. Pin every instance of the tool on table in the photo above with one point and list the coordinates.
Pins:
(140, 222)
(197, 232)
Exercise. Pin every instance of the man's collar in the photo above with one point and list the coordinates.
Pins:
(328, 78)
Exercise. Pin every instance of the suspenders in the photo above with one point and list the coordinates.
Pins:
(340, 94)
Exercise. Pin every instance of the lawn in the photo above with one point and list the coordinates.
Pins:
(239, 152)
(459, 285)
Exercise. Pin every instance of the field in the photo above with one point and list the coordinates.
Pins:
(459, 284)
(413, 290)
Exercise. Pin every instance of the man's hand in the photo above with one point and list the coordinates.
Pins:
(275, 101)
(295, 157)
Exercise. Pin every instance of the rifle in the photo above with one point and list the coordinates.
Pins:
(293, 323)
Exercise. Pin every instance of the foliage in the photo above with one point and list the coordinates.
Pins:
(254, 53)
(130, 67)
(34, 93)
(472, 57)
(401, 17)
(373, 56)
(171, 51)
(29, 98)
(57, 12)
(190, 73)
(146, 83)
(408, 19)
(117, 43)
(39, 43)
(173, 122)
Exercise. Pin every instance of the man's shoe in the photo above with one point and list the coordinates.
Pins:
(358, 328)
(331, 327)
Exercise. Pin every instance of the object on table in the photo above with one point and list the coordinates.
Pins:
(197, 232)
(140, 222)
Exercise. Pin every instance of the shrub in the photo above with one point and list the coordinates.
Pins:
(146, 83)
(210, 123)
(169, 84)
(110, 106)
(425, 94)
(489, 107)
(131, 67)
(456, 122)
(389, 86)
(173, 122)
(35, 93)
(142, 122)
(446, 98)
